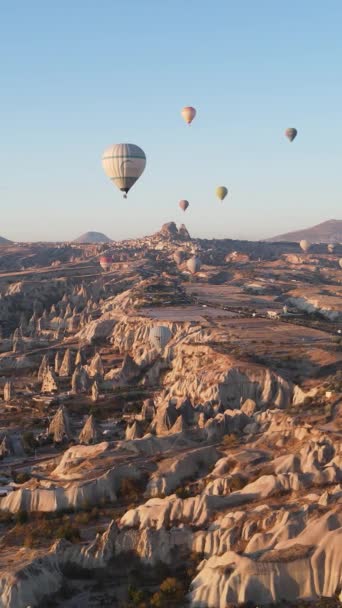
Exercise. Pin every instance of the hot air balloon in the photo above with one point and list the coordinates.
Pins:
(105, 262)
(188, 114)
(331, 247)
(305, 245)
(291, 133)
(221, 192)
(184, 204)
(340, 262)
(194, 264)
(124, 164)
(159, 336)
(178, 256)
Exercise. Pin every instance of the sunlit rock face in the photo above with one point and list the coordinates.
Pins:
(164, 420)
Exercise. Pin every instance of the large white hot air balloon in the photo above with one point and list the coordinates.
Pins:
(305, 245)
(159, 336)
(124, 164)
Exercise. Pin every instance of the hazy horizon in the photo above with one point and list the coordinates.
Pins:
(78, 78)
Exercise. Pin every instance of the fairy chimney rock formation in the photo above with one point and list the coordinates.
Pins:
(90, 432)
(8, 392)
(49, 383)
(59, 426)
(95, 392)
(80, 381)
(66, 367)
(95, 367)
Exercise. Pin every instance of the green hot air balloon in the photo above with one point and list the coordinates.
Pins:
(221, 192)
(124, 164)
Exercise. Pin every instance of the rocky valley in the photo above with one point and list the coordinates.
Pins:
(170, 426)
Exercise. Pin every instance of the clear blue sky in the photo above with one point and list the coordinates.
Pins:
(77, 76)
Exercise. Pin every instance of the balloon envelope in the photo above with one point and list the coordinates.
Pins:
(124, 164)
(194, 264)
(159, 336)
(291, 133)
(340, 262)
(331, 247)
(305, 245)
(221, 192)
(105, 262)
(188, 114)
(184, 204)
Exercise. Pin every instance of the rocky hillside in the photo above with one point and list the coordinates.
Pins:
(4, 241)
(170, 439)
(326, 232)
(93, 237)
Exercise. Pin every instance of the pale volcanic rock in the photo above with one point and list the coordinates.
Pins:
(312, 302)
(11, 445)
(238, 578)
(43, 368)
(80, 381)
(128, 371)
(90, 432)
(66, 367)
(248, 407)
(59, 426)
(49, 383)
(95, 367)
(134, 430)
(97, 329)
(95, 392)
(165, 417)
(171, 473)
(148, 410)
(208, 376)
(8, 392)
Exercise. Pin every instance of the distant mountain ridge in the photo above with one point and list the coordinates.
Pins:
(4, 241)
(93, 237)
(326, 232)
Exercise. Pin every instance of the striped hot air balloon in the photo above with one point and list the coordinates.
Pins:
(124, 164)
(188, 114)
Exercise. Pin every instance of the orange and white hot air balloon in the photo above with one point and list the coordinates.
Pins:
(188, 114)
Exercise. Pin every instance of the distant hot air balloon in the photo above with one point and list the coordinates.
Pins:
(124, 164)
(183, 204)
(340, 262)
(159, 336)
(194, 264)
(105, 262)
(331, 247)
(188, 114)
(178, 256)
(305, 245)
(221, 192)
(291, 133)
